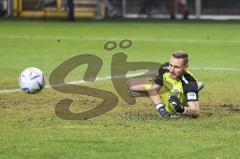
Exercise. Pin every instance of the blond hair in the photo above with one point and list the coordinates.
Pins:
(181, 55)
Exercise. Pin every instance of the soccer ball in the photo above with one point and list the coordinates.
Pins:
(31, 80)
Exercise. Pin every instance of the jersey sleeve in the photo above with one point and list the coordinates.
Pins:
(158, 76)
(190, 87)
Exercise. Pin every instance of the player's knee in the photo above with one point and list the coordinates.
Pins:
(130, 84)
(154, 91)
(136, 85)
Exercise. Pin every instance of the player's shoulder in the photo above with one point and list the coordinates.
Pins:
(190, 87)
(189, 83)
(188, 77)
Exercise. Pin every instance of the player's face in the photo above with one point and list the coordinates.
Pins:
(177, 68)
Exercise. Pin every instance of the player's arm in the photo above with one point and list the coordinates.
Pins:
(154, 96)
(154, 91)
(192, 98)
(193, 109)
(191, 95)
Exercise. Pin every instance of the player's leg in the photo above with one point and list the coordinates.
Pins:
(137, 87)
(137, 84)
(172, 9)
(141, 87)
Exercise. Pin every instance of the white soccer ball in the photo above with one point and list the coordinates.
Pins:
(32, 80)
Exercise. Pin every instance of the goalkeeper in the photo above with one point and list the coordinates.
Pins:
(173, 89)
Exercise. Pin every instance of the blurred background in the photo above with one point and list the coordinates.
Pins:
(100, 9)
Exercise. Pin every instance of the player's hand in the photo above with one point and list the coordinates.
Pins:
(164, 113)
(176, 103)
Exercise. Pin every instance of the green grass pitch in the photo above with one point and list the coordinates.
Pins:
(31, 129)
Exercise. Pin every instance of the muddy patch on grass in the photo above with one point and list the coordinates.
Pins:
(222, 109)
(206, 111)
(231, 108)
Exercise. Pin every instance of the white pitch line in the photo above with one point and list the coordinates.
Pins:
(3, 91)
(38, 37)
(129, 75)
(75, 82)
(236, 69)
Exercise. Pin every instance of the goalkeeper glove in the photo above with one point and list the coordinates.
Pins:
(163, 112)
(175, 102)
